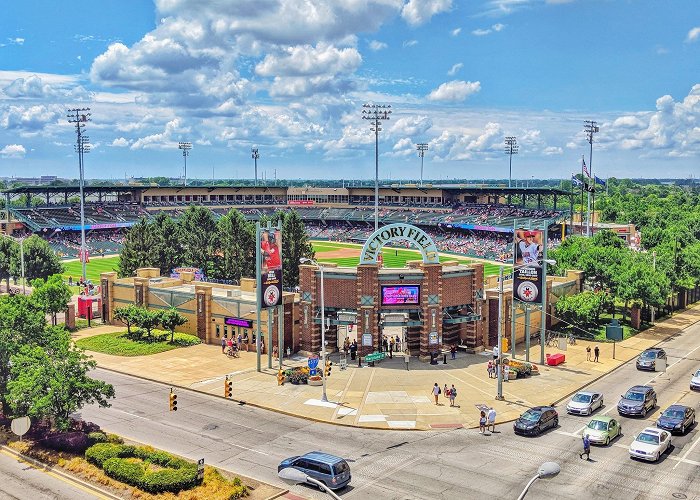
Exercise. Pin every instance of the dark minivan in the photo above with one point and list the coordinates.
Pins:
(535, 420)
(332, 471)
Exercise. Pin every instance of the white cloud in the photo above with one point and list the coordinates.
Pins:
(455, 68)
(16, 41)
(552, 150)
(417, 12)
(487, 31)
(376, 45)
(30, 119)
(455, 91)
(455, 31)
(310, 61)
(409, 43)
(693, 35)
(162, 140)
(13, 151)
(413, 126)
(121, 142)
(29, 87)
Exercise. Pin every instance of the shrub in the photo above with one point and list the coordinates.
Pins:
(169, 480)
(73, 442)
(101, 452)
(124, 471)
(97, 437)
(113, 438)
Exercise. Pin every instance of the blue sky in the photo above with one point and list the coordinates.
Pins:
(290, 78)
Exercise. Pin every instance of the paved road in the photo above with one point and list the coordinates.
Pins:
(414, 465)
(20, 481)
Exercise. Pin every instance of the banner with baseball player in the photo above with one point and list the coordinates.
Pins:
(527, 266)
(270, 241)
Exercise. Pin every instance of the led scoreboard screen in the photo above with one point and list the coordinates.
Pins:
(393, 295)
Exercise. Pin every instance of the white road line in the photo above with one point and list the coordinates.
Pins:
(697, 440)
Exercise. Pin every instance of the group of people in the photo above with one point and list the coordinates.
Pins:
(596, 353)
(450, 393)
(391, 345)
(487, 421)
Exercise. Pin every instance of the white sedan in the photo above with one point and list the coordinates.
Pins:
(695, 381)
(650, 444)
(584, 403)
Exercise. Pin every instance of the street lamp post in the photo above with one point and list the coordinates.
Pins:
(422, 148)
(185, 146)
(499, 371)
(304, 260)
(546, 470)
(255, 155)
(511, 149)
(295, 476)
(375, 113)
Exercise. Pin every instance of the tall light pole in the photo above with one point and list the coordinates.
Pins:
(80, 117)
(422, 148)
(305, 260)
(255, 157)
(185, 147)
(511, 149)
(590, 127)
(375, 113)
(546, 470)
(499, 361)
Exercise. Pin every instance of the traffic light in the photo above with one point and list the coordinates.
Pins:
(173, 401)
(228, 388)
(327, 371)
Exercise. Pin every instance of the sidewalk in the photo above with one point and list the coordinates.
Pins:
(387, 396)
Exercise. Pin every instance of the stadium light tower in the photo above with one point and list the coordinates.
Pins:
(185, 146)
(590, 127)
(255, 157)
(80, 117)
(511, 149)
(422, 148)
(375, 113)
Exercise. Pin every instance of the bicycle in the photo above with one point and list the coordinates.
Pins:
(233, 353)
(552, 340)
(572, 339)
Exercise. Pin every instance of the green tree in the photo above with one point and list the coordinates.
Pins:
(39, 260)
(295, 245)
(198, 233)
(137, 249)
(236, 243)
(581, 309)
(167, 248)
(51, 295)
(147, 320)
(127, 315)
(53, 382)
(8, 249)
(170, 320)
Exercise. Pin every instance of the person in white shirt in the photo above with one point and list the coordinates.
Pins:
(491, 420)
(495, 352)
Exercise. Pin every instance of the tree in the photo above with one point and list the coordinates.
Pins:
(8, 249)
(137, 249)
(127, 315)
(39, 260)
(167, 247)
(236, 247)
(53, 382)
(198, 233)
(295, 245)
(580, 309)
(147, 320)
(170, 320)
(51, 295)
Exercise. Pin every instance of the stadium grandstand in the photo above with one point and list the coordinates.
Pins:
(475, 221)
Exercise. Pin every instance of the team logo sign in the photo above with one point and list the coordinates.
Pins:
(528, 292)
(271, 296)
(270, 265)
(527, 273)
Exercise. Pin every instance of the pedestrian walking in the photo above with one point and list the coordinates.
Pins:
(386, 344)
(596, 352)
(490, 369)
(240, 341)
(353, 350)
(506, 372)
(229, 344)
(453, 395)
(446, 392)
(223, 346)
(436, 392)
(391, 348)
(588, 353)
(346, 345)
(586, 448)
(453, 350)
(491, 419)
(406, 358)
(495, 352)
(482, 422)
(398, 344)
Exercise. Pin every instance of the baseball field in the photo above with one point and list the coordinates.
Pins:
(343, 254)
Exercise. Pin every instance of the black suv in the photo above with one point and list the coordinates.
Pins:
(638, 400)
(535, 420)
(647, 360)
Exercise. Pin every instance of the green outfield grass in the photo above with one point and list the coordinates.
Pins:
(393, 257)
(95, 267)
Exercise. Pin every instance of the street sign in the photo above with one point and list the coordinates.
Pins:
(200, 469)
(375, 356)
(367, 340)
(20, 426)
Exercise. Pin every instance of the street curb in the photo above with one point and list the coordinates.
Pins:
(57, 470)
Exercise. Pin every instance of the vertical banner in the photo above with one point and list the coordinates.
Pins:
(527, 270)
(270, 267)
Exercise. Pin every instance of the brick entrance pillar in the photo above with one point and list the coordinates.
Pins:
(431, 310)
(310, 339)
(368, 301)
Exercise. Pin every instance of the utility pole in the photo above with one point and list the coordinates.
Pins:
(499, 365)
(185, 146)
(422, 148)
(255, 157)
(653, 309)
(590, 127)
(80, 117)
(375, 113)
(511, 149)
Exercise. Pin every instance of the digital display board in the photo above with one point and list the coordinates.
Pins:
(245, 323)
(393, 295)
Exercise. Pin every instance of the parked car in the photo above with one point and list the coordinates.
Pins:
(583, 403)
(695, 381)
(650, 444)
(535, 420)
(676, 418)
(647, 360)
(638, 400)
(332, 471)
(602, 430)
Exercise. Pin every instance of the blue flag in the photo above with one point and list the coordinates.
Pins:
(575, 182)
(598, 180)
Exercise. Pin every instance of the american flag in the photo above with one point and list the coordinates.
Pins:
(585, 168)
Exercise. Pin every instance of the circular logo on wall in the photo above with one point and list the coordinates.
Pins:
(527, 291)
(271, 295)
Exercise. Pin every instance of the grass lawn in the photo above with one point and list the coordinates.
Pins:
(94, 268)
(393, 257)
(120, 344)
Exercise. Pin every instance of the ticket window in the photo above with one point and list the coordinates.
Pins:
(225, 331)
(218, 333)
